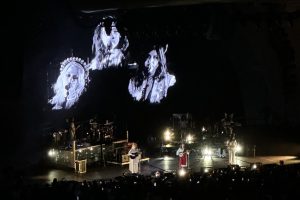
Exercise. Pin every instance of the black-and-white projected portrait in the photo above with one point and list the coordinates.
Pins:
(153, 82)
(109, 46)
(70, 83)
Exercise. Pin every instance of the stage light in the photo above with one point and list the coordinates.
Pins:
(168, 145)
(167, 135)
(206, 170)
(182, 172)
(207, 152)
(255, 166)
(189, 138)
(238, 148)
(51, 153)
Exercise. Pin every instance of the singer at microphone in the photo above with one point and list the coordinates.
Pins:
(134, 159)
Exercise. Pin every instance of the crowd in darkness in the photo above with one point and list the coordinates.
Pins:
(265, 182)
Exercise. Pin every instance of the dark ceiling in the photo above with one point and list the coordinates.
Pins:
(98, 5)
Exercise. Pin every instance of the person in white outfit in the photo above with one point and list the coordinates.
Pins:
(134, 159)
(231, 145)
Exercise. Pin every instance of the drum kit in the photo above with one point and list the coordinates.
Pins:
(93, 133)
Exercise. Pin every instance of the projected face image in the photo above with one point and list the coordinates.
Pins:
(152, 62)
(114, 37)
(70, 79)
(70, 84)
(155, 81)
(109, 47)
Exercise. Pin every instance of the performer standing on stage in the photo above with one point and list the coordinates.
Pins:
(231, 145)
(134, 159)
(183, 156)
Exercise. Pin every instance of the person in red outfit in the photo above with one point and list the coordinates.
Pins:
(183, 156)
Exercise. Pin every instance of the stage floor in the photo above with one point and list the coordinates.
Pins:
(168, 164)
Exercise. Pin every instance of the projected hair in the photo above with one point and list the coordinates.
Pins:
(98, 46)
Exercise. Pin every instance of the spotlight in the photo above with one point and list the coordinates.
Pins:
(189, 138)
(207, 153)
(182, 172)
(238, 148)
(51, 153)
(167, 135)
(255, 166)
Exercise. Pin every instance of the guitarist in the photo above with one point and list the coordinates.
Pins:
(134, 159)
(183, 156)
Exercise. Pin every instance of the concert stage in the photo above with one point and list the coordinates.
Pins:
(167, 164)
